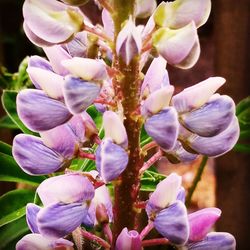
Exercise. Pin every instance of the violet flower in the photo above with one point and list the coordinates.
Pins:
(128, 240)
(40, 242)
(50, 22)
(66, 201)
(55, 150)
(168, 214)
(111, 155)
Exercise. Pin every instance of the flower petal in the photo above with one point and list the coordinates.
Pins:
(86, 68)
(179, 154)
(197, 95)
(181, 12)
(152, 81)
(39, 112)
(108, 23)
(66, 188)
(58, 220)
(39, 62)
(79, 94)
(114, 128)
(163, 127)
(211, 118)
(129, 42)
(157, 101)
(128, 240)
(39, 242)
(165, 194)
(77, 47)
(216, 145)
(34, 157)
(176, 46)
(48, 81)
(56, 54)
(201, 222)
(51, 21)
(102, 197)
(145, 8)
(172, 223)
(111, 160)
(181, 196)
(215, 241)
(67, 138)
(34, 38)
(31, 217)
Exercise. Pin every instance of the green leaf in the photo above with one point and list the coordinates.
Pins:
(10, 171)
(6, 122)
(12, 232)
(96, 116)
(13, 205)
(5, 148)
(9, 104)
(242, 148)
(243, 105)
(150, 179)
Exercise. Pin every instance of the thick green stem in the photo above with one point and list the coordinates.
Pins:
(196, 180)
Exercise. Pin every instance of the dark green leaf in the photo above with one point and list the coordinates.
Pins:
(242, 148)
(5, 148)
(10, 171)
(243, 105)
(6, 122)
(9, 104)
(13, 205)
(11, 233)
(96, 116)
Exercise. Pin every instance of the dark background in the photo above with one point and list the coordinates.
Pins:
(225, 52)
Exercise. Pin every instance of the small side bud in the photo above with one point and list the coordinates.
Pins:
(129, 42)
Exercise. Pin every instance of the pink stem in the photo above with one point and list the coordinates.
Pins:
(102, 101)
(97, 32)
(151, 161)
(86, 155)
(92, 237)
(146, 230)
(154, 242)
(107, 231)
(149, 146)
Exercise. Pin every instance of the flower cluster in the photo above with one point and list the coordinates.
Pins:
(74, 77)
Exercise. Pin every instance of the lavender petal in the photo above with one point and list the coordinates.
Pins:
(34, 157)
(172, 223)
(163, 128)
(39, 112)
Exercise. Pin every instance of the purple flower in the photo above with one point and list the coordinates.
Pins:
(40, 242)
(128, 240)
(201, 222)
(39, 112)
(129, 43)
(163, 127)
(100, 208)
(54, 150)
(166, 209)
(111, 160)
(65, 199)
(50, 22)
(175, 15)
(215, 241)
